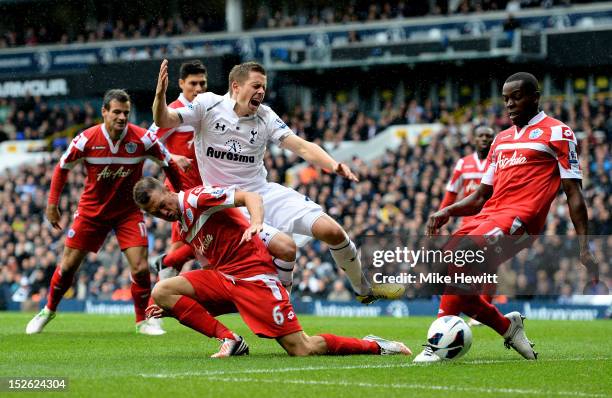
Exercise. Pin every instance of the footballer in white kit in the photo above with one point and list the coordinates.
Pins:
(232, 133)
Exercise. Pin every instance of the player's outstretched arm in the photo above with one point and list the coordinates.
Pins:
(580, 219)
(467, 206)
(163, 116)
(254, 204)
(314, 154)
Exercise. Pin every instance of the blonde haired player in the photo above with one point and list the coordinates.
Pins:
(232, 133)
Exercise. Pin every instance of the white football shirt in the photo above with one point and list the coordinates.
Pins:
(230, 149)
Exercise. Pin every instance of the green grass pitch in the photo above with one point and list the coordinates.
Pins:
(102, 356)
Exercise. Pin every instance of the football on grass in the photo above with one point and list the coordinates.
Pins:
(449, 337)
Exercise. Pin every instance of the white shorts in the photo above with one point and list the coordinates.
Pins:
(288, 211)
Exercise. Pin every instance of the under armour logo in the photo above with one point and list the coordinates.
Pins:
(253, 134)
(220, 126)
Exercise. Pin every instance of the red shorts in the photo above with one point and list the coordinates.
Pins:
(261, 301)
(176, 234)
(89, 235)
(505, 234)
(501, 237)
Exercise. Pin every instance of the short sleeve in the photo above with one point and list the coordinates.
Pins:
(277, 127)
(564, 144)
(74, 153)
(454, 185)
(194, 112)
(211, 199)
(155, 150)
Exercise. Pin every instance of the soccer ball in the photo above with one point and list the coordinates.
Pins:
(449, 337)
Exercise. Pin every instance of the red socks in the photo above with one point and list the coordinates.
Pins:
(141, 292)
(476, 307)
(191, 314)
(178, 257)
(339, 345)
(60, 283)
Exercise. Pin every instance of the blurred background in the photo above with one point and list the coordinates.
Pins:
(395, 89)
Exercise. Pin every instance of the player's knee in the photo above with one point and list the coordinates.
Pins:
(161, 292)
(283, 247)
(287, 251)
(335, 235)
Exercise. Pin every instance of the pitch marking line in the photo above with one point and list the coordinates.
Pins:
(490, 390)
(346, 367)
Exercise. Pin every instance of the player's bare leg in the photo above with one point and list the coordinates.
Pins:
(62, 279)
(176, 297)
(284, 251)
(347, 257)
(141, 289)
(300, 344)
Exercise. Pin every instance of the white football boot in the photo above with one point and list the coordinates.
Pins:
(150, 327)
(515, 337)
(232, 347)
(37, 324)
(473, 322)
(427, 356)
(388, 347)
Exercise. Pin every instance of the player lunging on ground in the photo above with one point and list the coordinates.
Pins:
(113, 153)
(527, 164)
(240, 276)
(232, 133)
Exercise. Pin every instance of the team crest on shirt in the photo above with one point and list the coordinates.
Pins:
(71, 233)
(131, 147)
(535, 133)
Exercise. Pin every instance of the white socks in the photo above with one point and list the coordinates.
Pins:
(347, 257)
(285, 271)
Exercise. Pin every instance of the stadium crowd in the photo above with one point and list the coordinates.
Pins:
(195, 21)
(33, 118)
(395, 195)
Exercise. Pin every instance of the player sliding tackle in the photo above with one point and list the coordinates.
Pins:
(527, 164)
(240, 276)
(232, 133)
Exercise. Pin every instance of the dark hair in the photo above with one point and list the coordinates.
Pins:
(528, 81)
(144, 188)
(240, 73)
(115, 94)
(194, 67)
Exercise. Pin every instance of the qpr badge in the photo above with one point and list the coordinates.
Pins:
(130, 147)
(535, 134)
(71, 233)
